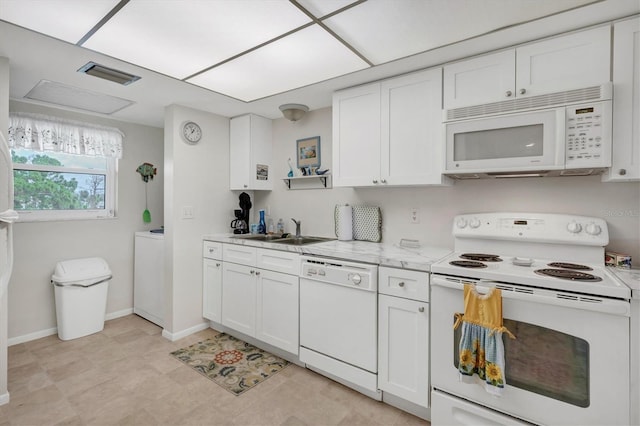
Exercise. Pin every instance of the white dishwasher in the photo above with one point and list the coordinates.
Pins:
(148, 277)
(339, 321)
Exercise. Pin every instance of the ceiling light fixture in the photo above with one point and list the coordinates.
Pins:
(100, 71)
(293, 112)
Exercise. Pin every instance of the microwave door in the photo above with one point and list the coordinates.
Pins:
(517, 142)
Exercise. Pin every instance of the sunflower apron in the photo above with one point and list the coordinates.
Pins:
(481, 349)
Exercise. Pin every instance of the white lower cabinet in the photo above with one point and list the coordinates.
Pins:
(403, 335)
(212, 289)
(277, 313)
(239, 298)
(261, 303)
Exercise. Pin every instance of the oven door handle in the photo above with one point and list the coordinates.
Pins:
(587, 303)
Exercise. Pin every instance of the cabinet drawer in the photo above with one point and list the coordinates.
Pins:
(212, 250)
(239, 254)
(404, 283)
(278, 261)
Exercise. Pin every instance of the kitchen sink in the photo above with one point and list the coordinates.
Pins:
(260, 237)
(301, 241)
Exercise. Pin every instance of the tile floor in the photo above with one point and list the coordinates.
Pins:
(125, 375)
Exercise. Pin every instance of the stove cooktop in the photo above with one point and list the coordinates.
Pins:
(568, 276)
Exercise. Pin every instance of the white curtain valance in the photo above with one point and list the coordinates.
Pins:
(43, 133)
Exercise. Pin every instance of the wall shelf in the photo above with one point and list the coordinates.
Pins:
(308, 182)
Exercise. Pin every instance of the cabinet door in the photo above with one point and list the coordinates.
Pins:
(260, 173)
(625, 161)
(239, 152)
(356, 136)
(403, 348)
(562, 63)
(212, 290)
(277, 322)
(239, 298)
(411, 126)
(489, 78)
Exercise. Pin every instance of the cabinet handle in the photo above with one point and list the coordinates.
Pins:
(523, 91)
(421, 309)
(401, 284)
(252, 272)
(375, 181)
(217, 265)
(509, 93)
(622, 172)
(257, 272)
(210, 249)
(383, 181)
(245, 186)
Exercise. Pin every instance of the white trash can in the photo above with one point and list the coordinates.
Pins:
(81, 287)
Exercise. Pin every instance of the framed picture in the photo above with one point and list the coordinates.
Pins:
(308, 152)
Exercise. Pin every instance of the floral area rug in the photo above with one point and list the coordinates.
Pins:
(233, 364)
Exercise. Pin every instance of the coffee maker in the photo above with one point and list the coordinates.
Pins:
(240, 224)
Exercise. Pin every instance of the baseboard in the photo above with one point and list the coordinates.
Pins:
(4, 398)
(32, 336)
(118, 314)
(184, 333)
(50, 331)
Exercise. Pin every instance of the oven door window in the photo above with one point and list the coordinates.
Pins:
(544, 361)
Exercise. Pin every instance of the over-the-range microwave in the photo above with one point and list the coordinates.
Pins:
(560, 134)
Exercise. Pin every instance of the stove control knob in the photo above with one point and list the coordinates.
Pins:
(356, 279)
(593, 229)
(475, 223)
(461, 223)
(574, 227)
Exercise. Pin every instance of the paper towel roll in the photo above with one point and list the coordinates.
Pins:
(344, 225)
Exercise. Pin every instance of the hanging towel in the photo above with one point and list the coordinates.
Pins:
(481, 348)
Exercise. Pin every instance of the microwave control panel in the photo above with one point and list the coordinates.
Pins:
(588, 135)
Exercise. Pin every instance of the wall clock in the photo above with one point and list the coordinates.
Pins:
(191, 132)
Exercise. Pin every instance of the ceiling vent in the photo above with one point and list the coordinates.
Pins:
(75, 97)
(100, 71)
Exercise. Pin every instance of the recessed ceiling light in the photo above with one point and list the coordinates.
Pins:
(100, 71)
(75, 97)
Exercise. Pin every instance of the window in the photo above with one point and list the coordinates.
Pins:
(63, 170)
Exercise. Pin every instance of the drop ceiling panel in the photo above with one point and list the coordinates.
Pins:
(67, 20)
(180, 38)
(76, 97)
(320, 8)
(385, 30)
(305, 57)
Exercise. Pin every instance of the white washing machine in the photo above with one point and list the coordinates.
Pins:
(148, 277)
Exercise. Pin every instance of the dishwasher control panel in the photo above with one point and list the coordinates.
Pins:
(350, 274)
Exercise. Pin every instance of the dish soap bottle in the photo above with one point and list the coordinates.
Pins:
(262, 227)
(280, 226)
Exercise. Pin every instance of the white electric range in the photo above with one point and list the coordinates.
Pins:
(570, 361)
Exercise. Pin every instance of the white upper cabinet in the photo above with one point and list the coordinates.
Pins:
(356, 136)
(389, 133)
(250, 153)
(561, 63)
(625, 159)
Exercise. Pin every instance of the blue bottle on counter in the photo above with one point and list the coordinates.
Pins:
(262, 226)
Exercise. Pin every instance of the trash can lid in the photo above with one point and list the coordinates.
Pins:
(80, 269)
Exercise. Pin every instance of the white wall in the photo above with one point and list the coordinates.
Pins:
(4, 318)
(197, 176)
(40, 245)
(618, 203)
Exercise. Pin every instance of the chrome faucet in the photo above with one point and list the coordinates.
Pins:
(297, 222)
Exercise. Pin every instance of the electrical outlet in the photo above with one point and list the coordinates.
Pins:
(415, 216)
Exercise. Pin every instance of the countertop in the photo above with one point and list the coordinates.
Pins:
(383, 254)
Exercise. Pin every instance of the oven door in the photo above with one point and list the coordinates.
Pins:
(569, 363)
(514, 142)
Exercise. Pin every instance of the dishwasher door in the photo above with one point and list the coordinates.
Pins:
(340, 322)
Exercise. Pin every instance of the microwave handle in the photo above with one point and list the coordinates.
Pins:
(607, 306)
